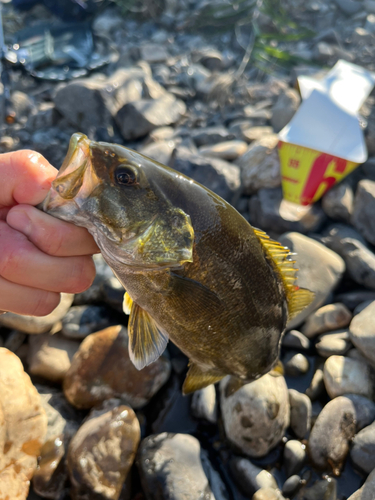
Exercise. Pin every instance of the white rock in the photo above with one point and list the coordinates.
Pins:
(347, 376)
(203, 404)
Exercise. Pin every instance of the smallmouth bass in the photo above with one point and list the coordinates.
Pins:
(194, 270)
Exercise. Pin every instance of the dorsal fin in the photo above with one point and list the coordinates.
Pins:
(297, 298)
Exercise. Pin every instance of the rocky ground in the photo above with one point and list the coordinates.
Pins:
(76, 418)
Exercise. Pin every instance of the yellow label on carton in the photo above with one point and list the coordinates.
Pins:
(306, 174)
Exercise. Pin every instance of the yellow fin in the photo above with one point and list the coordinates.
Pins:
(297, 298)
(146, 341)
(127, 304)
(197, 379)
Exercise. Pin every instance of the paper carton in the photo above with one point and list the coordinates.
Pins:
(324, 141)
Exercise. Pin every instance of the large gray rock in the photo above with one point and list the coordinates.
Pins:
(363, 449)
(326, 318)
(344, 375)
(260, 165)
(320, 270)
(137, 118)
(256, 416)
(337, 203)
(362, 331)
(366, 492)
(359, 260)
(270, 211)
(170, 466)
(283, 110)
(364, 208)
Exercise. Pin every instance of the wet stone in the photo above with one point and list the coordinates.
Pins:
(170, 466)
(227, 150)
(102, 452)
(249, 477)
(300, 413)
(102, 369)
(362, 331)
(283, 110)
(294, 457)
(337, 203)
(333, 343)
(295, 364)
(80, 321)
(366, 492)
(291, 486)
(363, 449)
(295, 340)
(256, 416)
(320, 270)
(203, 404)
(329, 317)
(363, 210)
(344, 375)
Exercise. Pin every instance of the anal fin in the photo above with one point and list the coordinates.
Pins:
(146, 341)
(197, 379)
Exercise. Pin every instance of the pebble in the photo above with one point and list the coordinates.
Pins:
(80, 321)
(38, 324)
(320, 270)
(203, 404)
(354, 298)
(295, 364)
(210, 135)
(362, 331)
(363, 449)
(335, 427)
(335, 343)
(291, 486)
(295, 340)
(317, 387)
(366, 492)
(160, 151)
(102, 452)
(329, 317)
(294, 457)
(260, 165)
(349, 7)
(256, 416)
(23, 426)
(154, 53)
(363, 210)
(325, 489)
(267, 494)
(50, 356)
(95, 292)
(170, 466)
(227, 150)
(101, 369)
(14, 340)
(344, 375)
(300, 413)
(250, 134)
(249, 477)
(349, 244)
(337, 203)
(284, 108)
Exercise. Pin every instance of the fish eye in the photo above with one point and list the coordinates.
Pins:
(125, 175)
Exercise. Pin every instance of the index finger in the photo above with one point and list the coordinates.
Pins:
(26, 177)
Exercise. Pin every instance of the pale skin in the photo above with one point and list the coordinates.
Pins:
(40, 256)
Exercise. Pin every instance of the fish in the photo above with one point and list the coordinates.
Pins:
(194, 270)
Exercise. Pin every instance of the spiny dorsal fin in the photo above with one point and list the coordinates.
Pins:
(196, 379)
(297, 298)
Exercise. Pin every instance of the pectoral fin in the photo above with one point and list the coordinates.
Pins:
(146, 341)
(196, 379)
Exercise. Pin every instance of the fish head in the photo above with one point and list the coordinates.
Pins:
(121, 197)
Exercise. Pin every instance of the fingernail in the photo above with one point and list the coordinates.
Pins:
(19, 220)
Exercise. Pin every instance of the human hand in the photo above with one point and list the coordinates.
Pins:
(40, 256)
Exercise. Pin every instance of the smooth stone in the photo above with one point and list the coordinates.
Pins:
(294, 457)
(249, 477)
(317, 387)
(211, 58)
(170, 466)
(300, 413)
(137, 118)
(102, 369)
(50, 356)
(102, 452)
(362, 331)
(363, 449)
(295, 364)
(333, 343)
(344, 375)
(270, 211)
(325, 489)
(366, 492)
(23, 426)
(320, 270)
(295, 340)
(154, 53)
(291, 486)
(337, 203)
(160, 134)
(335, 427)
(256, 416)
(250, 134)
(218, 175)
(14, 340)
(363, 210)
(354, 298)
(228, 150)
(160, 151)
(284, 108)
(349, 7)
(349, 244)
(210, 135)
(361, 307)
(203, 404)
(260, 165)
(329, 317)
(113, 293)
(80, 321)
(267, 494)
(38, 324)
